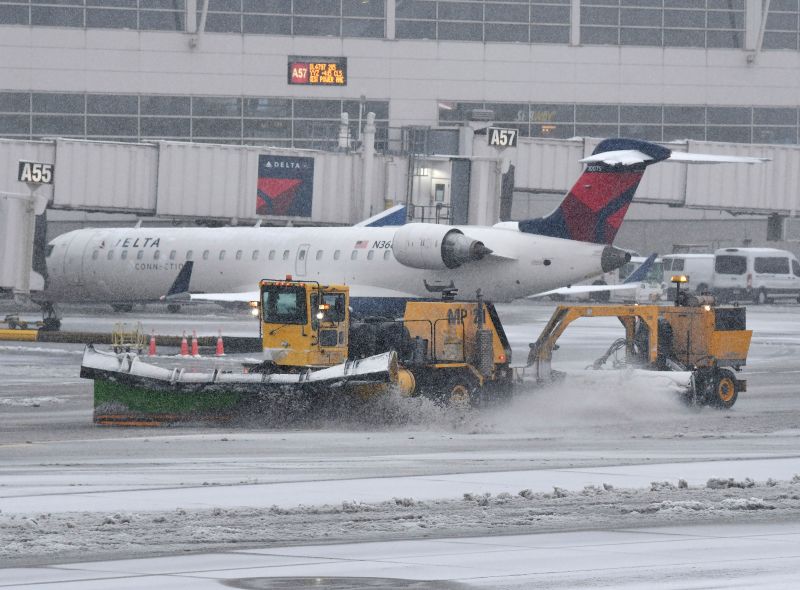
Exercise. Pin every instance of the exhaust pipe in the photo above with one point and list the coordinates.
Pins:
(612, 258)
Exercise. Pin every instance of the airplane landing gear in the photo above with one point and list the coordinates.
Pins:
(51, 319)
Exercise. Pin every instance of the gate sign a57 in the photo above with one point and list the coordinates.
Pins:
(502, 136)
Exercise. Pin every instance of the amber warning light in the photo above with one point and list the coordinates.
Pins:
(318, 71)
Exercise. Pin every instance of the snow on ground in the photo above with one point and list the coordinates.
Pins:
(56, 536)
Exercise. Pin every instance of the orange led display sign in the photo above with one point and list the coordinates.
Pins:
(318, 71)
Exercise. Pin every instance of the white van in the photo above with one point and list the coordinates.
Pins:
(698, 268)
(756, 274)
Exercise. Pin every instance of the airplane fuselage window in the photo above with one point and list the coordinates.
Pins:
(353, 254)
(222, 254)
(301, 254)
(173, 254)
(337, 254)
(124, 255)
(238, 255)
(140, 255)
(386, 254)
(286, 255)
(156, 254)
(272, 254)
(205, 254)
(255, 254)
(110, 255)
(95, 254)
(319, 254)
(370, 254)
(189, 255)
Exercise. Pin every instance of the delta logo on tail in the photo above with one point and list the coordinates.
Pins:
(594, 208)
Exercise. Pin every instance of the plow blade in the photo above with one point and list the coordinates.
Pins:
(132, 392)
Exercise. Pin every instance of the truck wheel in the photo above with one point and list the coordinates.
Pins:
(459, 391)
(725, 393)
(761, 296)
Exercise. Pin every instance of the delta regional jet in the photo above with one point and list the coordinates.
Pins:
(510, 260)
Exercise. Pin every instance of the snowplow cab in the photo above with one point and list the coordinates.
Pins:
(304, 323)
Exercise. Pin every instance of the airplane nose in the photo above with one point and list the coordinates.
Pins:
(612, 258)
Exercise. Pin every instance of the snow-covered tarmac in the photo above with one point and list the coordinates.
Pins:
(588, 485)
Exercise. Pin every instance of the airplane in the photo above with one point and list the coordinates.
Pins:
(507, 261)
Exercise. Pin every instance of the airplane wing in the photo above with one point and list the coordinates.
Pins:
(576, 289)
(630, 283)
(243, 296)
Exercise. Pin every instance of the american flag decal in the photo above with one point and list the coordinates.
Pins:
(362, 244)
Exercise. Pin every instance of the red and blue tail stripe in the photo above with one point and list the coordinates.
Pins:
(595, 207)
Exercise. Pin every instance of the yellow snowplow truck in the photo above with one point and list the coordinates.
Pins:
(451, 351)
(692, 336)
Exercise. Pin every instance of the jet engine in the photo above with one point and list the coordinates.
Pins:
(435, 247)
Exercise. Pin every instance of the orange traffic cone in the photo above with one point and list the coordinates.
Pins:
(152, 350)
(195, 347)
(184, 345)
(220, 346)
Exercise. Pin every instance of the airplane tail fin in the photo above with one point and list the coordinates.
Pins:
(594, 208)
(180, 286)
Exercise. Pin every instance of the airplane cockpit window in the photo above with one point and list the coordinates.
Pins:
(156, 254)
(272, 254)
(205, 254)
(370, 254)
(238, 255)
(110, 255)
(140, 255)
(222, 254)
(124, 255)
(284, 305)
(319, 254)
(255, 254)
(286, 255)
(337, 254)
(189, 255)
(354, 255)
(95, 254)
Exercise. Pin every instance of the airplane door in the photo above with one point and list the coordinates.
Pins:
(300, 263)
(74, 258)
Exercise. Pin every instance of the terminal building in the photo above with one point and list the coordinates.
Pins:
(279, 74)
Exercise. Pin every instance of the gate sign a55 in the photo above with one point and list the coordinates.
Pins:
(35, 172)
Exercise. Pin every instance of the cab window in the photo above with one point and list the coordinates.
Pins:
(335, 310)
(677, 264)
(796, 268)
(284, 305)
